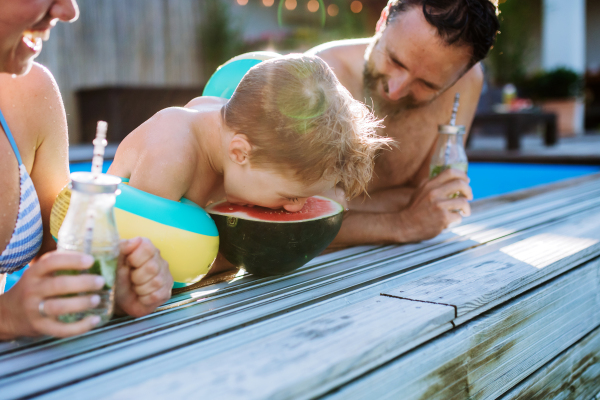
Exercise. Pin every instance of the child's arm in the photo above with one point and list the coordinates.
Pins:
(160, 156)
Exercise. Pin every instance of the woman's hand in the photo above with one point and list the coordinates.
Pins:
(30, 308)
(143, 279)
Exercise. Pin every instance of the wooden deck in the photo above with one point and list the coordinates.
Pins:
(507, 305)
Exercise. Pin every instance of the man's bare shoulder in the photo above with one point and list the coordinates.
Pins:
(345, 58)
(472, 79)
(338, 47)
(469, 87)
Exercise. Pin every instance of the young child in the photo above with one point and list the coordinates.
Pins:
(290, 131)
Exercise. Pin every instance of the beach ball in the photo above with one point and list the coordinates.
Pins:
(227, 77)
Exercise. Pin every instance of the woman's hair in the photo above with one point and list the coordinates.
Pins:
(297, 115)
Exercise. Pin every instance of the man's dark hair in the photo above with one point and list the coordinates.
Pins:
(466, 22)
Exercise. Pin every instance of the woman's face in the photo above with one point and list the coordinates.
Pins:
(24, 24)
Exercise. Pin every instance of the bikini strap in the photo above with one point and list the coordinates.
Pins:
(11, 140)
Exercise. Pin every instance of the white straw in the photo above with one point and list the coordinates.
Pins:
(453, 123)
(455, 109)
(99, 146)
(97, 162)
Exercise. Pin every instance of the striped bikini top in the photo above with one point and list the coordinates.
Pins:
(26, 239)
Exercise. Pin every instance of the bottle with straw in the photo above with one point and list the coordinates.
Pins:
(89, 227)
(449, 151)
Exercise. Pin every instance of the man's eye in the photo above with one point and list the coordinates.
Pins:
(293, 200)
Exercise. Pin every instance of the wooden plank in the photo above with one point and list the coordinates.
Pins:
(33, 359)
(562, 187)
(291, 363)
(495, 226)
(489, 355)
(573, 375)
(79, 359)
(494, 277)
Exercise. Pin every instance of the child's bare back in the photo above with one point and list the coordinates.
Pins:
(289, 132)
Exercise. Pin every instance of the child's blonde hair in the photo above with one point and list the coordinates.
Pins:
(295, 113)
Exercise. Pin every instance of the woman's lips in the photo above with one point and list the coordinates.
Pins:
(34, 39)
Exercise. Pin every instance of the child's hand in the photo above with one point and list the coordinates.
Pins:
(143, 279)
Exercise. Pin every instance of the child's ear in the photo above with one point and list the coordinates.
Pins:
(239, 149)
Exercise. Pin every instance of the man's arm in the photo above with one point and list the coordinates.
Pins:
(431, 210)
(384, 200)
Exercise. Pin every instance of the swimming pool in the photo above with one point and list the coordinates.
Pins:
(490, 179)
(487, 179)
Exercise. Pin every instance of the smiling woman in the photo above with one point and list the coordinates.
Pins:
(34, 133)
(23, 27)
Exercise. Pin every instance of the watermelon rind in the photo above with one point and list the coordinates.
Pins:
(266, 248)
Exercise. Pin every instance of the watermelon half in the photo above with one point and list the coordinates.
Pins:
(273, 242)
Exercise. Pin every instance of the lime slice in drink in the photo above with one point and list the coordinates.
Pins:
(107, 267)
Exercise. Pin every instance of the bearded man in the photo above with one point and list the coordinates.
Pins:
(422, 54)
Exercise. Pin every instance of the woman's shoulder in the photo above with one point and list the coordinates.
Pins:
(33, 108)
(32, 99)
(38, 85)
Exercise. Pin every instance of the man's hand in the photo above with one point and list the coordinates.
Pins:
(433, 206)
(143, 279)
(30, 308)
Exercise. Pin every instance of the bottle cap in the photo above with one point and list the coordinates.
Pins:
(86, 182)
(451, 129)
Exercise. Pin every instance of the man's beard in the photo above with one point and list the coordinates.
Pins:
(381, 106)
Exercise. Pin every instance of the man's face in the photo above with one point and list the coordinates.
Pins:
(24, 24)
(410, 65)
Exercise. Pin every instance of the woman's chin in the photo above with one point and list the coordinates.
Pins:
(18, 66)
(21, 60)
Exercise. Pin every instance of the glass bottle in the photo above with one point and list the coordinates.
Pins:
(90, 227)
(449, 150)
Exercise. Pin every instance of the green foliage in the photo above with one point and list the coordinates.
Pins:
(220, 40)
(559, 83)
(508, 59)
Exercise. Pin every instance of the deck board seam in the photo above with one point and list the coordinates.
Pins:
(423, 301)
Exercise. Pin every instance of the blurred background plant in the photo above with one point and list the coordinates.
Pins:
(219, 38)
(560, 83)
(232, 27)
(508, 61)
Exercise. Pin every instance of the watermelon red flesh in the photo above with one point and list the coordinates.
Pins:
(315, 207)
(266, 247)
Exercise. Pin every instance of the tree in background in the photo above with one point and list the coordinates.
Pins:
(511, 54)
(219, 38)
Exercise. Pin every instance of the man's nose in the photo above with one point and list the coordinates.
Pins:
(398, 86)
(295, 207)
(65, 10)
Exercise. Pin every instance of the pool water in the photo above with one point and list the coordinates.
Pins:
(492, 179)
(487, 179)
